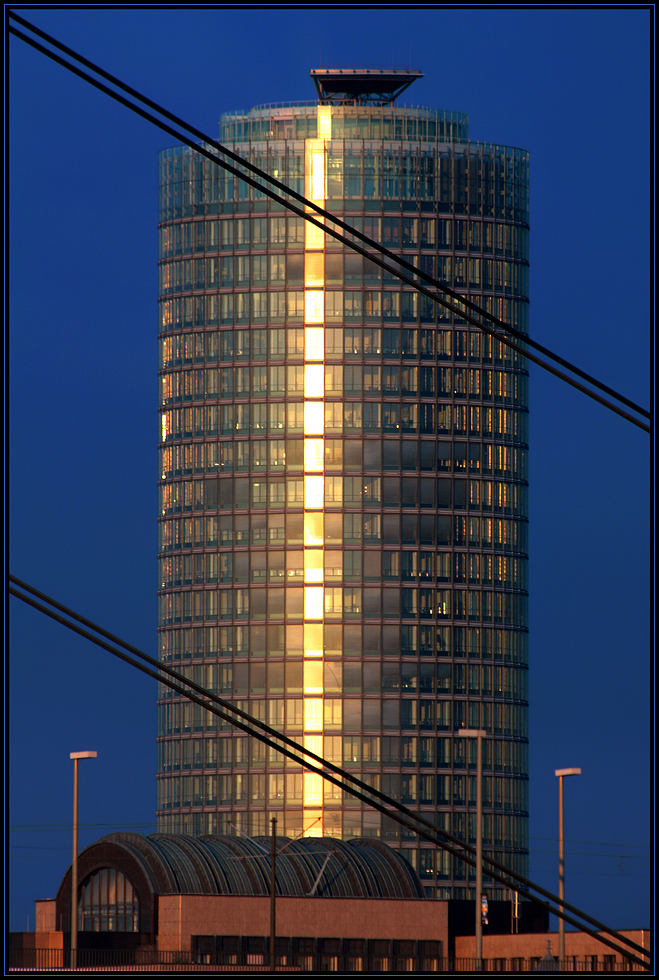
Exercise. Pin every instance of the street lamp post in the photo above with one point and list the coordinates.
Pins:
(479, 734)
(273, 877)
(273, 894)
(74, 867)
(561, 861)
(273, 884)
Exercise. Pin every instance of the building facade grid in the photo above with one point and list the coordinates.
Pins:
(343, 498)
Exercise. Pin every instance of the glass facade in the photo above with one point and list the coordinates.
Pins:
(343, 482)
(108, 902)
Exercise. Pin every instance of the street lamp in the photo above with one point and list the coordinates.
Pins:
(274, 853)
(273, 893)
(561, 861)
(479, 734)
(74, 867)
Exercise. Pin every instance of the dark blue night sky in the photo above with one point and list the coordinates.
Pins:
(571, 86)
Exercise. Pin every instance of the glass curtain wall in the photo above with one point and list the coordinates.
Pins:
(343, 482)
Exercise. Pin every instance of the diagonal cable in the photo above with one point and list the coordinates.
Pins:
(329, 216)
(461, 299)
(307, 217)
(369, 801)
(329, 229)
(405, 817)
(241, 725)
(228, 706)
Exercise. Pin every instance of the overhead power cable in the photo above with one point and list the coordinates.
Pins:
(368, 800)
(329, 216)
(330, 228)
(412, 824)
(324, 227)
(227, 705)
(343, 779)
(207, 702)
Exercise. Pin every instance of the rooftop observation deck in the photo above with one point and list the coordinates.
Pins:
(355, 86)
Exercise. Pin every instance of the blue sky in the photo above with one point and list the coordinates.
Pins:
(571, 86)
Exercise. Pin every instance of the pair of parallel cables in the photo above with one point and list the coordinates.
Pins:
(207, 699)
(329, 223)
(334, 774)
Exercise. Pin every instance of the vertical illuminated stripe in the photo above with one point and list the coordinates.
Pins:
(314, 480)
(324, 122)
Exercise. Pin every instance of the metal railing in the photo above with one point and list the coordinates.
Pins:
(151, 960)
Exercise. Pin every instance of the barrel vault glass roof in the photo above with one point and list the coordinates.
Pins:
(178, 864)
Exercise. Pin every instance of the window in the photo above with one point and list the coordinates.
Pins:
(107, 902)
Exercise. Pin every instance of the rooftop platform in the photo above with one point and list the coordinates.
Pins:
(354, 86)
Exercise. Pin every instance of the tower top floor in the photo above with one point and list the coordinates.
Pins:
(346, 120)
(352, 104)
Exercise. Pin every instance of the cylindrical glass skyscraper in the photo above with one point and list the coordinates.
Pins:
(343, 481)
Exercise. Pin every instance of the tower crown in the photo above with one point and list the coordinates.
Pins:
(356, 86)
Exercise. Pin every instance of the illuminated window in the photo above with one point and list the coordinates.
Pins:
(314, 269)
(313, 640)
(325, 122)
(313, 789)
(313, 529)
(313, 714)
(315, 170)
(314, 743)
(313, 677)
(313, 492)
(313, 455)
(314, 418)
(313, 381)
(313, 565)
(313, 312)
(313, 603)
(314, 238)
